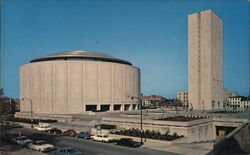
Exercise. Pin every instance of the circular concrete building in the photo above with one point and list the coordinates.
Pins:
(78, 81)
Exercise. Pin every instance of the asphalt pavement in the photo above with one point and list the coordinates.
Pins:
(88, 147)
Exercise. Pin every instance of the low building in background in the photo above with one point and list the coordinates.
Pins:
(231, 99)
(13, 105)
(152, 101)
(228, 94)
(239, 102)
(182, 96)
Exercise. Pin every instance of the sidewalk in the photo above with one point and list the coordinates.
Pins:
(185, 149)
(168, 146)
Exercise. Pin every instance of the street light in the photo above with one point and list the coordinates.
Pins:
(31, 110)
(134, 97)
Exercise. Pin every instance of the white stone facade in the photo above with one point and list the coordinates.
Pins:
(205, 61)
(74, 86)
(239, 102)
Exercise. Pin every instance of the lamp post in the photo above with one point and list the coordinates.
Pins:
(134, 97)
(31, 110)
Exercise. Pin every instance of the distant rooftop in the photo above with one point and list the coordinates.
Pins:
(81, 55)
(243, 98)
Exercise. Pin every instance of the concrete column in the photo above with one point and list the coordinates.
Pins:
(130, 107)
(84, 108)
(98, 107)
(136, 106)
(111, 107)
(122, 107)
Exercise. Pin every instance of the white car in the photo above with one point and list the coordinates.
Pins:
(21, 140)
(43, 128)
(102, 138)
(40, 145)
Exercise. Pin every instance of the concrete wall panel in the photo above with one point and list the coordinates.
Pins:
(75, 95)
(47, 87)
(105, 82)
(128, 84)
(21, 86)
(193, 76)
(91, 94)
(205, 61)
(61, 87)
(25, 88)
(117, 83)
(36, 87)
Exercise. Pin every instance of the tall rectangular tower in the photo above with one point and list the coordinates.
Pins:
(205, 61)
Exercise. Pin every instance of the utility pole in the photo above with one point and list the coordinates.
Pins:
(31, 110)
(133, 97)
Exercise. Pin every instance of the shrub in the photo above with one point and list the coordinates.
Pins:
(106, 126)
(180, 118)
(149, 134)
(34, 121)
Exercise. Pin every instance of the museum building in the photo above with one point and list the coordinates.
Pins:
(77, 81)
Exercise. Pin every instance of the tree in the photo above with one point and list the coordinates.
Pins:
(176, 101)
(1, 92)
(5, 113)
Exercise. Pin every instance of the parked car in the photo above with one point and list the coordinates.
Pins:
(84, 135)
(21, 140)
(103, 138)
(70, 133)
(40, 145)
(14, 125)
(128, 142)
(55, 131)
(67, 151)
(43, 127)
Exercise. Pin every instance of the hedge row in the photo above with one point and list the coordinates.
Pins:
(106, 126)
(148, 134)
(180, 118)
(34, 121)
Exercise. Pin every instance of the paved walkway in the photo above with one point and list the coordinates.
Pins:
(185, 149)
(168, 146)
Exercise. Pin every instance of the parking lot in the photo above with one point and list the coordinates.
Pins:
(88, 147)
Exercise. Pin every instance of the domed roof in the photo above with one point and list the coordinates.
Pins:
(81, 55)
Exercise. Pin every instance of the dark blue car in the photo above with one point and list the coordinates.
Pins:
(84, 135)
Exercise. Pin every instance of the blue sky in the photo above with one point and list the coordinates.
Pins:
(150, 34)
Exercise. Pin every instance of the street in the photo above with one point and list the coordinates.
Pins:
(88, 147)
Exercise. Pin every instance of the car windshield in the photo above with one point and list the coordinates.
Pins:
(126, 139)
(40, 143)
(22, 138)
